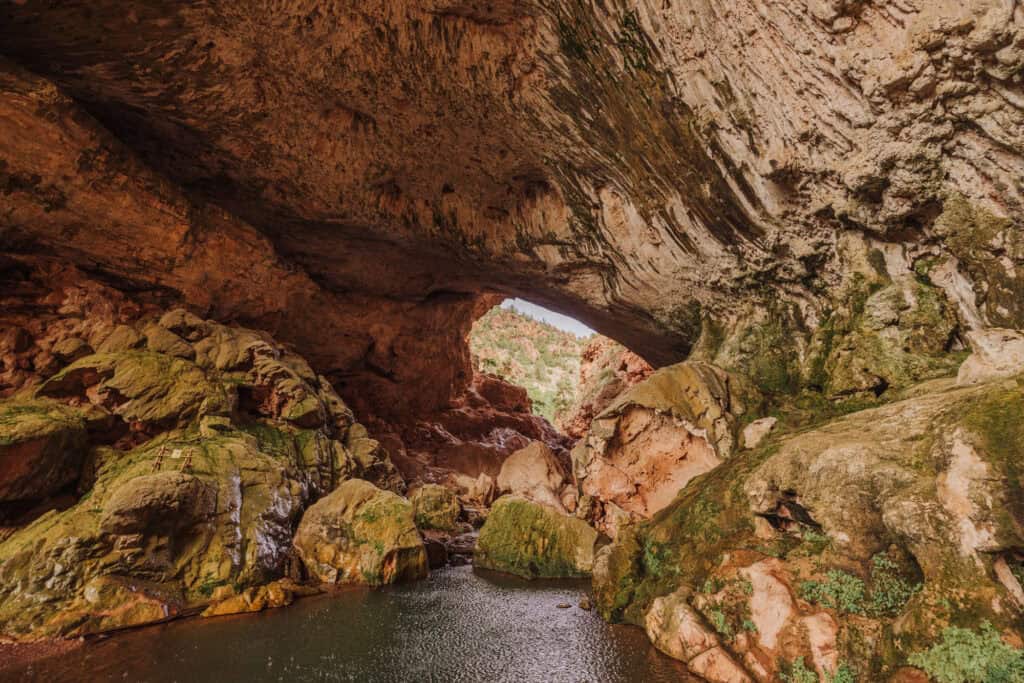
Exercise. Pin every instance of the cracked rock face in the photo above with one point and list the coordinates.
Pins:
(853, 543)
(646, 167)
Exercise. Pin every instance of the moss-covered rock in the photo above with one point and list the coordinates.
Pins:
(893, 336)
(233, 448)
(990, 249)
(361, 534)
(141, 386)
(533, 541)
(227, 519)
(889, 525)
(42, 445)
(435, 507)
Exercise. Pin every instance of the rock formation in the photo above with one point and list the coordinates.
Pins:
(851, 545)
(535, 541)
(165, 471)
(606, 370)
(214, 216)
(644, 448)
(361, 534)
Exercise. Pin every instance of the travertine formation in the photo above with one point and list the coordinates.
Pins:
(213, 215)
(647, 167)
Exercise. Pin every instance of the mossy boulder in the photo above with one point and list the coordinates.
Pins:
(141, 386)
(435, 507)
(890, 525)
(226, 519)
(361, 534)
(535, 541)
(42, 446)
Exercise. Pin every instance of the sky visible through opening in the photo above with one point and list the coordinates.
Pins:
(562, 322)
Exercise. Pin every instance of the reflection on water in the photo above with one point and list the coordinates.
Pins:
(459, 625)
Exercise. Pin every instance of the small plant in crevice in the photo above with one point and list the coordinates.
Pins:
(797, 672)
(884, 596)
(966, 656)
(721, 623)
(725, 604)
(842, 674)
(841, 591)
(889, 590)
(657, 559)
(816, 541)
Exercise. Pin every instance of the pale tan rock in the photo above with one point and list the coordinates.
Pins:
(656, 437)
(678, 631)
(279, 593)
(534, 473)
(162, 340)
(755, 432)
(361, 534)
(996, 353)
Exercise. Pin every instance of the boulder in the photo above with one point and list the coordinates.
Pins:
(643, 449)
(121, 338)
(278, 593)
(530, 540)
(996, 353)
(159, 503)
(162, 340)
(185, 325)
(678, 631)
(435, 507)
(478, 491)
(533, 473)
(361, 534)
(756, 432)
(42, 445)
(70, 349)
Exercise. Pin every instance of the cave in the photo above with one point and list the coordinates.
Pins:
(243, 248)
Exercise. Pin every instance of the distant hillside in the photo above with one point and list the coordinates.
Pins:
(532, 354)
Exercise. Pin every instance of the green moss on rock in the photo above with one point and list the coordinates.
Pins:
(42, 446)
(534, 541)
(361, 534)
(435, 507)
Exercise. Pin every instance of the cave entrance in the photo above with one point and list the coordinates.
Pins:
(569, 372)
(536, 349)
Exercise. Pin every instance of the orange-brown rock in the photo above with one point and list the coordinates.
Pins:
(606, 370)
(649, 443)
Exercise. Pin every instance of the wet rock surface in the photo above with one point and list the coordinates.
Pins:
(188, 474)
(361, 534)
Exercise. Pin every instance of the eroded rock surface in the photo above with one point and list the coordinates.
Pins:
(736, 149)
(179, 473)
(847, 546)
(644, 448)
(361, 534)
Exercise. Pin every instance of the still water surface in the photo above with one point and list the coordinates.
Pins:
(459, 625)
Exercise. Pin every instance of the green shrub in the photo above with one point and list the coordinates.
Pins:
(843, 674)
(720, 623)
(798, 673)
(965, 656)
(889, 591)
(841, 591)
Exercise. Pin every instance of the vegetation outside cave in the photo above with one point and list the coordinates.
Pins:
(538, 356)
